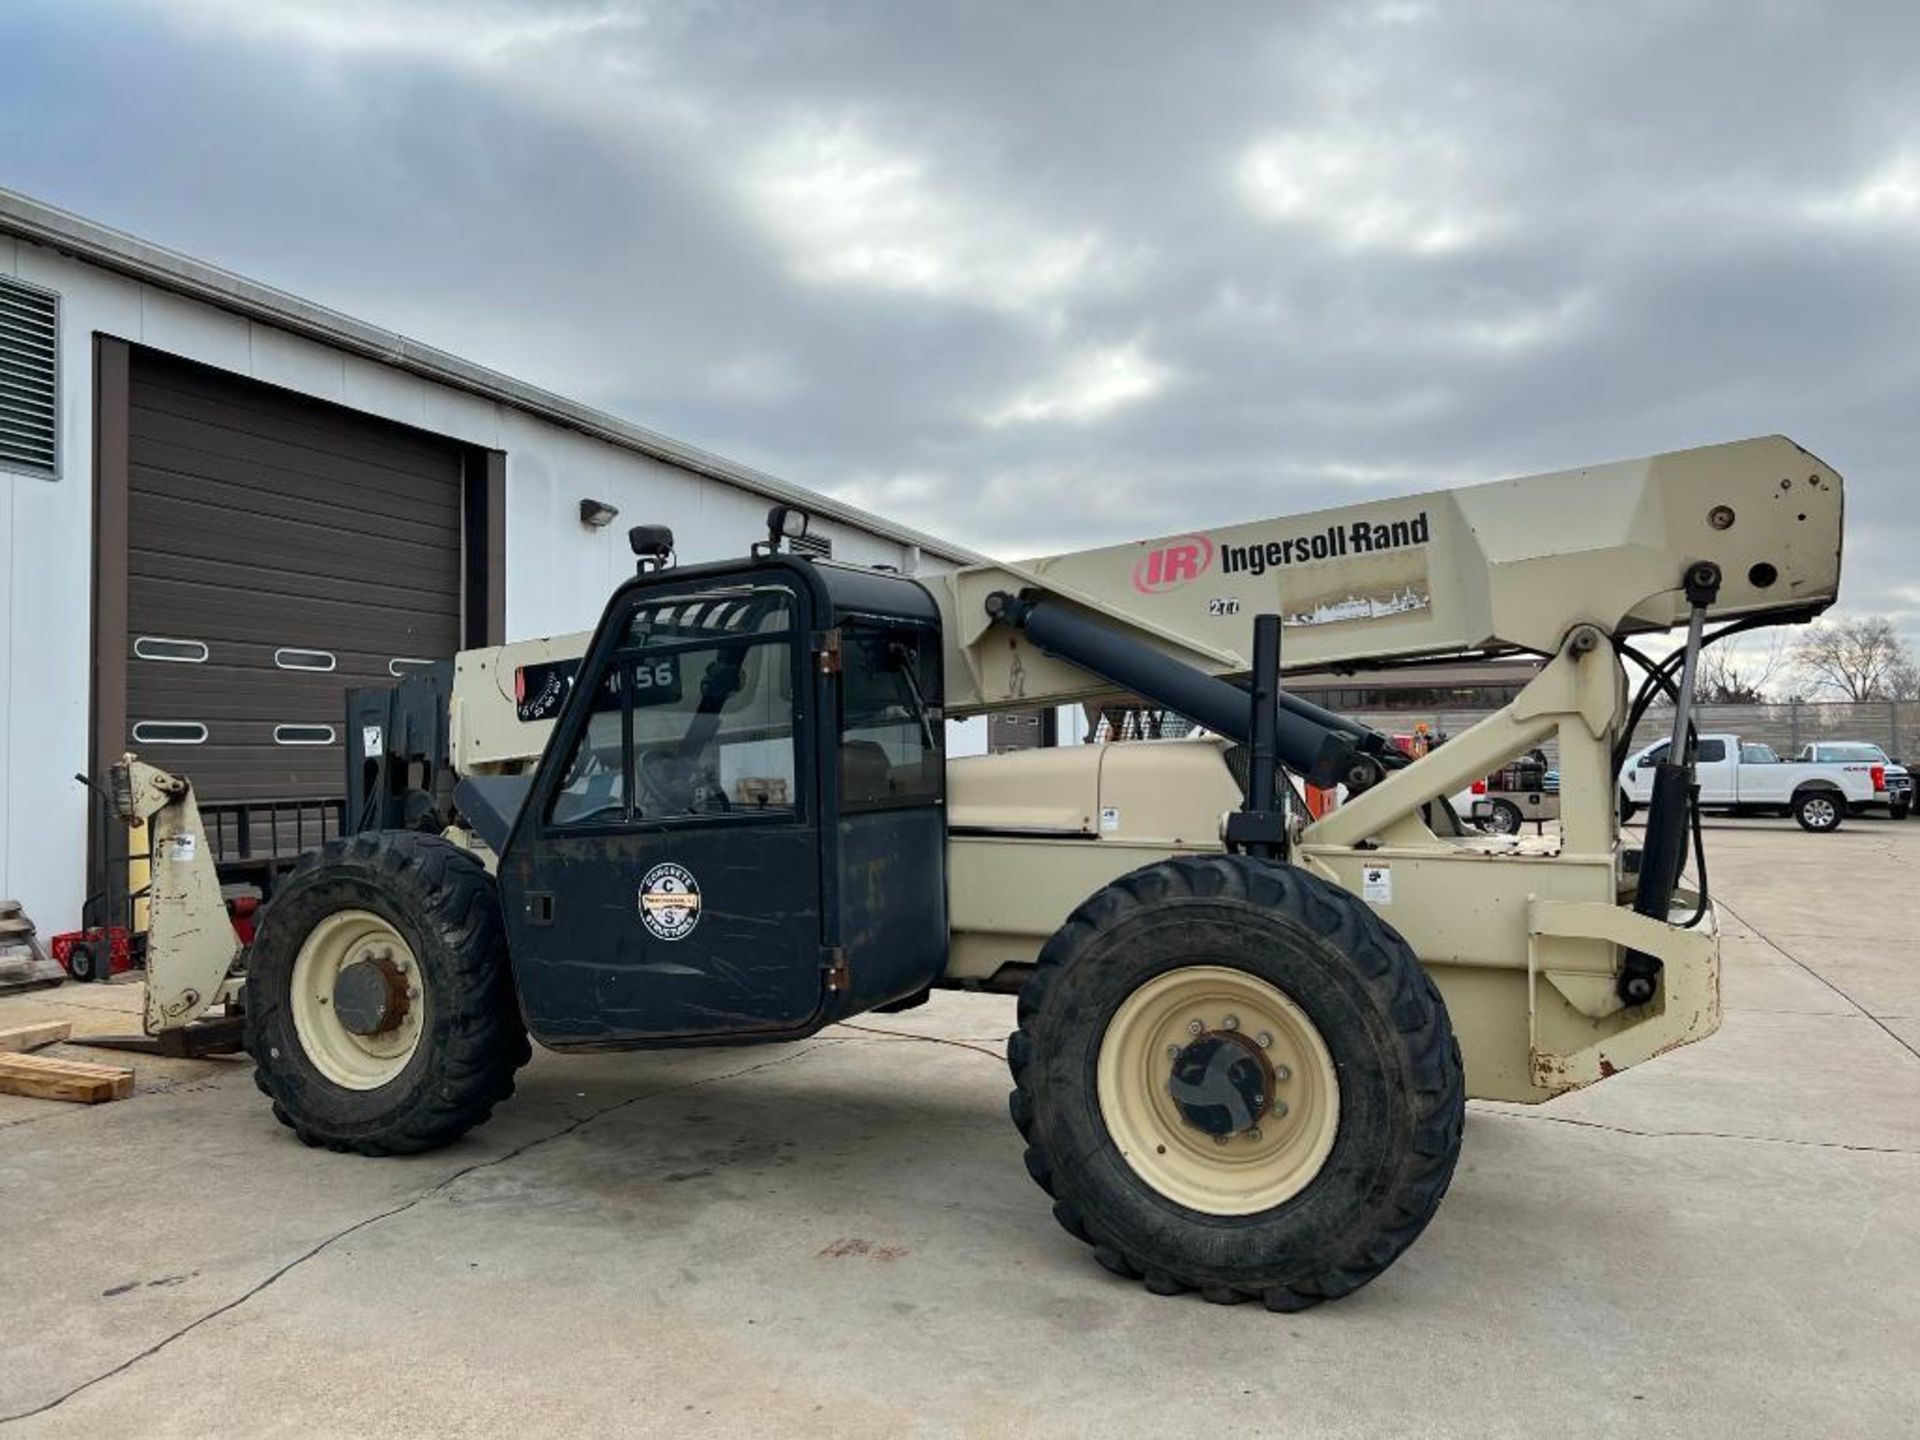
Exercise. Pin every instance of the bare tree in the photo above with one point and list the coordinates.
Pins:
(1855, 659)
(1903, 680)
(1731, 676)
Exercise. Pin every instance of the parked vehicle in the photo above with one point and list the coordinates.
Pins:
(1749, 778)
(1511, 796)
(1898, 801)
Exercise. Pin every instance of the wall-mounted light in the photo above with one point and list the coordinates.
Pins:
(597, 514)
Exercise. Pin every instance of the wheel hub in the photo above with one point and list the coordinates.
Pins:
(370, 995)
(1221, 1083)
(359, 998)
(1218, 1089)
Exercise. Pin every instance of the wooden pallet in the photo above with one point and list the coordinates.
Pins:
(41, 1077)
(32, 1037)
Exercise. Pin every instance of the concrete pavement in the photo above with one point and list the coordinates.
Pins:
(837, 1237)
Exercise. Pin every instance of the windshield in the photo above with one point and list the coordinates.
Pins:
(1841, 754)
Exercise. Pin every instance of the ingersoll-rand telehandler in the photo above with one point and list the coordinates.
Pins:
(1244, 1037)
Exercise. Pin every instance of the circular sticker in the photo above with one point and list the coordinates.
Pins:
(669, 902)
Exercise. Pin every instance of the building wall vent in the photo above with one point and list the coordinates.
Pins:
(819, 546)
(29, 379)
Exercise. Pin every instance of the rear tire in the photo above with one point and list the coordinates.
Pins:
(1307, 1222)
(81, 964)
(1819, 811)
(431, 904)
(1504, 818)
(1627, 808)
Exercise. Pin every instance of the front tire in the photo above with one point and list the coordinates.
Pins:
(380, 1009)
(1819, 811)
(1627, 808)
(1304, 989)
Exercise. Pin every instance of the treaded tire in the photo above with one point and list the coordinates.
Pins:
(1402, 1090)
(1819, 810)
(444, 904)
(1627, 808)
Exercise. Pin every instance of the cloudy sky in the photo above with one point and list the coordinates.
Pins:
(1042, 275)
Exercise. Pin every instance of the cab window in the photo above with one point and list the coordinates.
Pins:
(696, 717)
(595, 787)
(890, 724)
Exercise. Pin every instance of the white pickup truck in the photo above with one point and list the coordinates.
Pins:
(1899, 797)
(1749, 778)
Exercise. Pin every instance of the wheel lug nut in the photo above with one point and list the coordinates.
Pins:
(1264, 1040)
(1219, 1139)
(1232, 1022)
(1281, 1072)
(1195, 1027)
(1173, 1052)
(1254, 1133)
(1279, 1108)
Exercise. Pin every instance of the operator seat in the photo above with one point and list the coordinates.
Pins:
(866, 773)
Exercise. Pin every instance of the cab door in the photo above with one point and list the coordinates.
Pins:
(664, 882)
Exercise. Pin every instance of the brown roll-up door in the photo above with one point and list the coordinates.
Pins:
(279, 551)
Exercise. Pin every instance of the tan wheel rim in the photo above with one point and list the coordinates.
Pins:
(1247, 1172)
(352, 1060)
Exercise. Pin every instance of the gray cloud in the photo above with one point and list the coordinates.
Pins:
(1042, 276)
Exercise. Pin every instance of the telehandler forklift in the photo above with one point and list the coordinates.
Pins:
(1244, 1038)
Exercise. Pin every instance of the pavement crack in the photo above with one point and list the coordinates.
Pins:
(1696, 1134)
(438, 1187)
(1786, 954)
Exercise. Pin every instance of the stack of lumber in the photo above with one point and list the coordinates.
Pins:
(42, 1077)
(23, 964)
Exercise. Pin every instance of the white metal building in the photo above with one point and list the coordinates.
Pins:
(221, 505)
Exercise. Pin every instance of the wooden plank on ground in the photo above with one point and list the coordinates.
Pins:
(41, 1077)
(32, 1037)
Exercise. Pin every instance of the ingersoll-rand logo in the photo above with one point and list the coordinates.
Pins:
(1174, 562)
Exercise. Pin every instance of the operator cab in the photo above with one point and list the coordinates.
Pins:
(737, 829)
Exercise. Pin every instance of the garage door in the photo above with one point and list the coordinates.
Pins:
(279, 550)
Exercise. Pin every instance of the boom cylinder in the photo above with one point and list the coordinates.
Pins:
(1664, 851)
(1328, 754)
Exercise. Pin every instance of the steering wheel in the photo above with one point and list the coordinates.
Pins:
(677, 784)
